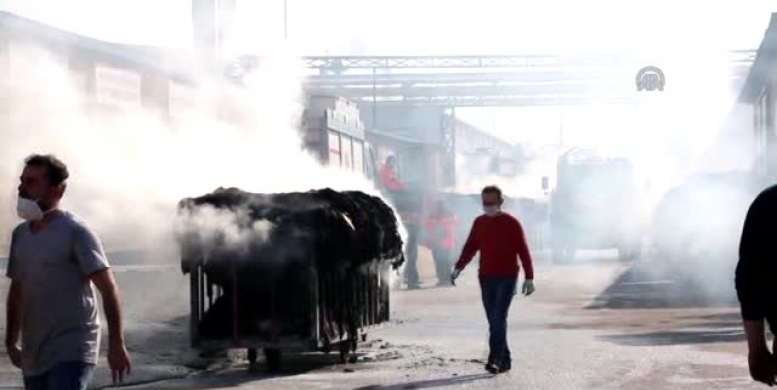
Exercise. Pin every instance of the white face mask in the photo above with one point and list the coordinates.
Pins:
(491, 210)
(28, 209)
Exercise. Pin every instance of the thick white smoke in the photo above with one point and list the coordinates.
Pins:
(236, 230)
(130, 167)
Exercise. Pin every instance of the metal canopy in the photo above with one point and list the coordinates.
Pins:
(345, 63)
(461, 81)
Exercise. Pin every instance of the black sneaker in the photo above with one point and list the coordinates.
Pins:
(493, 368)
(489, 362)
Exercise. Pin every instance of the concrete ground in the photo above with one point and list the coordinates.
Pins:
(593, 324)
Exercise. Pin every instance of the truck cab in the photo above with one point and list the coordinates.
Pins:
(334, 133)
(596, 205)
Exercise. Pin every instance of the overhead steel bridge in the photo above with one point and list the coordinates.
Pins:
(457, 81)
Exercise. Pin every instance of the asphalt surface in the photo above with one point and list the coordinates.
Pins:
(594, 324)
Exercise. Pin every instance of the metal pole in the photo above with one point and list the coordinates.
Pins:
(561, 130)
(285, 19)
(374, 100)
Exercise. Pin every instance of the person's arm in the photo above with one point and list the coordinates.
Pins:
(109, 290)
(13, 308)
(94, 264)
(755, 331)
(471, 247)
(749, 272)
(524, 254)
(13, 319)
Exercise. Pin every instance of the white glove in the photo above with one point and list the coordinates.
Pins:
(528, 287)
(454, 275)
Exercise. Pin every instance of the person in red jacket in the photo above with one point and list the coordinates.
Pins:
(388, 175)
(440, 227)
(500, 239)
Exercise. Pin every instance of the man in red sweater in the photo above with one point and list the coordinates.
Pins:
(499, 238)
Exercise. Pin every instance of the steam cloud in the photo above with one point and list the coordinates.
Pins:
(234, 229)
(130, 167)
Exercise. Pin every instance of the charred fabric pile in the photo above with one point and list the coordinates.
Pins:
(277, 258)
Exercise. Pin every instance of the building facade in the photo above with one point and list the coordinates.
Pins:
(760, 92)
(109, 78)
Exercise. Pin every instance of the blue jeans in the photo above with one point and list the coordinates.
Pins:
(497, 293)
(63, 376)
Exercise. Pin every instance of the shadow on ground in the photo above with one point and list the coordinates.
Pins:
(581, 257)
(237, 375)
(167, 342)
(428, 384)
(653, 285)
(677, 337)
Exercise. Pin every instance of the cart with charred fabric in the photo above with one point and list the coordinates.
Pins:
(296, 272)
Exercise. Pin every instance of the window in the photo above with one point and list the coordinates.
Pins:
(358, 157)
(346, 148)
(334, 149)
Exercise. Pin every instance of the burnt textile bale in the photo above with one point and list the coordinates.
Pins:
(337, 228)
(305, 235)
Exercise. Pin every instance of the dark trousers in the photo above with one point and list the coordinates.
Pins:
(443, 263)
(63, 376)
(411, 256)
(497, 293)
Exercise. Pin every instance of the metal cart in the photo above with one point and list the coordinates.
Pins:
(340, 308)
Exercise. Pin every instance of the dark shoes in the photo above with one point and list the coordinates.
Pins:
(492, 368)
(496, 368)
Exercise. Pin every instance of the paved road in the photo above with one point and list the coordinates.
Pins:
(595, 324)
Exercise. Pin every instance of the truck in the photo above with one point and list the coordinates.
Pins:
(596, 205)
(333, 132)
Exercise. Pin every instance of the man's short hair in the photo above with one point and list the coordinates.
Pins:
(56, 170)
(492, 190)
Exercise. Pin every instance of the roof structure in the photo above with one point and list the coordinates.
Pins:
(174, 62)
(766, 59)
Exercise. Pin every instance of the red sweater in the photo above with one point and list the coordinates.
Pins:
(501, 242)
(389, 179)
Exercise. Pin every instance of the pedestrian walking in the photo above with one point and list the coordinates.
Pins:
(440, 226)
(54, 260)
(756, 284)
(500, 239)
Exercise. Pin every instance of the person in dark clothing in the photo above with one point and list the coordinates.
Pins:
(440, 228)
(500, 239)
(756, 283)
(411, 258)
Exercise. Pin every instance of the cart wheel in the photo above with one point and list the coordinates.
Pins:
(345, 352)
(327, 348)
(273, 358)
